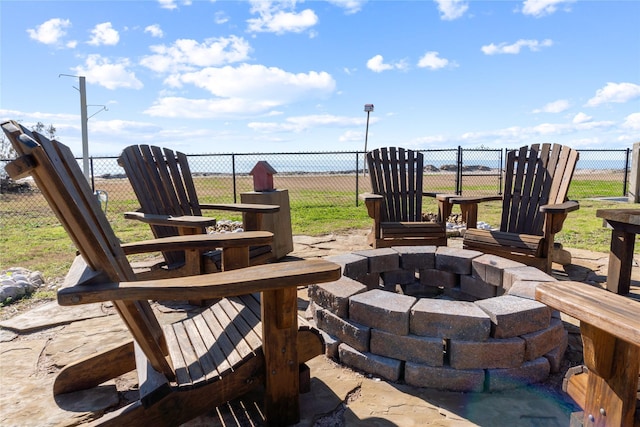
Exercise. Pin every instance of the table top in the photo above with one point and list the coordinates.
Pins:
(626, 216)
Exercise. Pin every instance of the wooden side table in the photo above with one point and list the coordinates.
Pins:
(625, 224)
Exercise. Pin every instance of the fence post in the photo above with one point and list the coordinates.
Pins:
(459, 172)
(503, 154)
(634, 179)
(233, 174)
(626, 172)
(357, 174)
(93, 182)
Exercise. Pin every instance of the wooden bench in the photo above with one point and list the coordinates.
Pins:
(610, 326)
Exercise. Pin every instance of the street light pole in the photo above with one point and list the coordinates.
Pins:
(368, 108)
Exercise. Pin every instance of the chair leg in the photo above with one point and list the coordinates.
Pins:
(95, 369)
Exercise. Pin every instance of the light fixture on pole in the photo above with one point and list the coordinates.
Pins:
(368, 108)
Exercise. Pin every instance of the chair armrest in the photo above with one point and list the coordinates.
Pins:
(241, 207)
(560, 208)
(242, 281)
(370, 196)
(443, 197)
(188, 221)
(200, 241)
(458, 200)
(251, 213)
(373, 202)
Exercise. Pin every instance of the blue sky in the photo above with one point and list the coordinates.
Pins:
(271, 76)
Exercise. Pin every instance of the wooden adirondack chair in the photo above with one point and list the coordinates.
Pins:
(534, 205)
(189, 367)
(163, 184)
(395, 203)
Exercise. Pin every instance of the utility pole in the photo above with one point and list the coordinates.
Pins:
(368, 108)
(85, 132)
(84, 122)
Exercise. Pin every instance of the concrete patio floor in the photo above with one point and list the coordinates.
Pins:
(35, 344)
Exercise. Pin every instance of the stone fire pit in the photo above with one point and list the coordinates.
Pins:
(444, 318)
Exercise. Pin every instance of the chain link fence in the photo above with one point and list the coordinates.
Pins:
(330, 178)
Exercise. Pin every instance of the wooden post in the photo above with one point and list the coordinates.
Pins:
(612, 378)
(280, 336)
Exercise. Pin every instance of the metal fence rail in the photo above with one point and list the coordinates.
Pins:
(334, 178)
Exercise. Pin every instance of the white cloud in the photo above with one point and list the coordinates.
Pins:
(279, 17)
(245, 90)
(35, 117)
(154, 30)
(104, 34)
(220, 17)
(615, 92)
(50, 32)
(258, 82)
(185, 54)
(451, 9)
(302, 123)
(533, 45)
(524, 135)
(350, 6)
(554, 107)
(581, 118)
(539, 8)
(351, 135)
(437, 140)
(377, 64)
(177, 107)
(432, 61)
(111, 75)
(171, 4)
(632, 121)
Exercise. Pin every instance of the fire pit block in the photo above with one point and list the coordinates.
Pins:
(413, 258)
(512, 316)
(382, 310)
(528, 373)
(455, 260)
(513, 274)
(490, 268)
(541, 342)
(334, 296)
(426, 350)
(444, 378)
(353, 266)
(477, 287)
(555, 356)
(493, 353)
(381, 366)
(357, 336)
(381, 260)
(449, 319)
(439, 278)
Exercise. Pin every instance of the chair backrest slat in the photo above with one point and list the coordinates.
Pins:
(162, 181)
(397, 174)
(535, 176)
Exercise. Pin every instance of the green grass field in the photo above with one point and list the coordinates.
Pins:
(33, 239)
